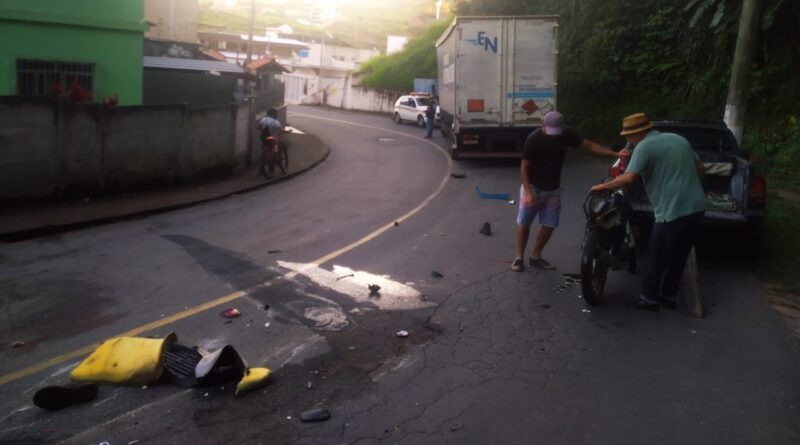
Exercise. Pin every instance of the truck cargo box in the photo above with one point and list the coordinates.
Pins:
(497, 79)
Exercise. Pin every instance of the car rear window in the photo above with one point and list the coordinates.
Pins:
(705, 139)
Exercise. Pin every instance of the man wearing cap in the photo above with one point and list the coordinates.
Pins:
(671, 175)
(540, 192)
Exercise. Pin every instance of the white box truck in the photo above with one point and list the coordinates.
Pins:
(497, 79)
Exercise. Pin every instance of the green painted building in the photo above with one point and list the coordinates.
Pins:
(47, 45)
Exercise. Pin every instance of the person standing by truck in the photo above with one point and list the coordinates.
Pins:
(430, 117)
(671, 175)
(540, 192)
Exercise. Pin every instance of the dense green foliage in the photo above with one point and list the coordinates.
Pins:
(397, 71)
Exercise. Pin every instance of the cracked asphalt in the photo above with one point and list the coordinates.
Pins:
(492, 356)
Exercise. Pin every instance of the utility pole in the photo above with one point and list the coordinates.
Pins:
(739, 89)
(250, 32)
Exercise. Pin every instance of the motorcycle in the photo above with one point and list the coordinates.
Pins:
(608, 242)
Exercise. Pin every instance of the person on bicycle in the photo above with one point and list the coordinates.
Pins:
(271, 129)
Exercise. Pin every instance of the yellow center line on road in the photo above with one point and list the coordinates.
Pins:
(53, 361)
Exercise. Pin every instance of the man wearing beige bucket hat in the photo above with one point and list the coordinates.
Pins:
(671, 175)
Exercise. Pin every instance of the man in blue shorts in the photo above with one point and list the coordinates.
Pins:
(540, 193)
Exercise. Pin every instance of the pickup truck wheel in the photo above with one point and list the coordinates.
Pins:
(396, 118)
(421, 121)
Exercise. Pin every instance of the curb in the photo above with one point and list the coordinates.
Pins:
(27, 234)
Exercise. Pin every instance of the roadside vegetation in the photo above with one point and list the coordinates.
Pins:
(672, 60)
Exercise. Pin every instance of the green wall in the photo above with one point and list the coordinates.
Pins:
(108, 33)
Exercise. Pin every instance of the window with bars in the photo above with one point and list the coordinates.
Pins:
(40, 77)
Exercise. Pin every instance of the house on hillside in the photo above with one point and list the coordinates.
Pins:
(48, 48)
(172, 20)
(234, 46)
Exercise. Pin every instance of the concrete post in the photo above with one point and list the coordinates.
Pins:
(739, 89)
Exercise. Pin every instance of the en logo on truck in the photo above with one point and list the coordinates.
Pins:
(483, 41)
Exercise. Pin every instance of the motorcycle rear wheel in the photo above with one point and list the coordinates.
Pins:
(594, 268)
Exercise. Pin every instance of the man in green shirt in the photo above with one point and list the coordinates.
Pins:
(671, 176)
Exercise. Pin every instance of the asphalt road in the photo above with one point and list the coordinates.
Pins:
(492, 356)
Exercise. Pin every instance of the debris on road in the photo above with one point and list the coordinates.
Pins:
(461, 175)
(486, 229)
(456, 427)
(436, 274)
(267, 324)
(351, 348)
(315, 415)
(586, 311)
(231, 313)
(545, 306)
(266, 307)
(273, 251)
(396, 223)
(401, 334)
(435, 327)
(500, 196)
(511, 203)
(345, 276)
(124, 360)
(374, 289)
(254, 378)
(54, 398)
(18, 344)
(309, 385)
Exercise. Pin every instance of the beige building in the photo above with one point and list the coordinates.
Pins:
(174, 20)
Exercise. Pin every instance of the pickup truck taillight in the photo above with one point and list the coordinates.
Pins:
(757, 191)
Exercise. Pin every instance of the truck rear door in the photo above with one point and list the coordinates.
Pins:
(480, 47)
(531, 67)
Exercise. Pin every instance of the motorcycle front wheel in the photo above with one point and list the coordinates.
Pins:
(594, 267)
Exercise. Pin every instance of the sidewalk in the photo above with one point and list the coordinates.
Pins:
(305, 152)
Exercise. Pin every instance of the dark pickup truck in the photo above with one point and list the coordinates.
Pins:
(736, 196)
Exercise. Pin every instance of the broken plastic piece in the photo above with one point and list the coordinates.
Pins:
(54, 398)
(18, 344)
(180, 362)
(315, 415)
(254, 378)
(436, 274)
(231, 313)
(486, 229)
(456, 427)
(273, 251)
(501, 196)
(511, 203)
(222, 365)
(124, 360)
(458, 175)
(401, 334)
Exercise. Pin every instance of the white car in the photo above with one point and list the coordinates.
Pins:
(412, 108)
